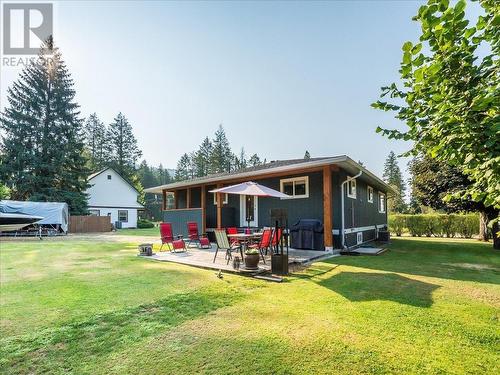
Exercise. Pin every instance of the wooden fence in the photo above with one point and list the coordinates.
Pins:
(89, 224)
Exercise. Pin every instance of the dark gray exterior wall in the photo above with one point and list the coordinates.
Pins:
(179, 218)
(358, 212)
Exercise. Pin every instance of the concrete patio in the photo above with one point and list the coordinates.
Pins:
(204, 258)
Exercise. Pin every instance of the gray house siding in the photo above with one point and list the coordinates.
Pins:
(359, 213)
(299, 208)
(180, 218)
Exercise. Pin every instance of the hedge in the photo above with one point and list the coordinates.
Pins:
(438, 225)
(143, 224)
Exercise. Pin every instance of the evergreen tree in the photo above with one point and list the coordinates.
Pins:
(122, 146)
(96, 142)
(221, 157)
(183, 171)
(42, 149)
(307, 155)
(392, 176)
(201, 160)
(254, 161)
(241, 160)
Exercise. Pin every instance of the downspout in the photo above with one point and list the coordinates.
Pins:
(342, 229)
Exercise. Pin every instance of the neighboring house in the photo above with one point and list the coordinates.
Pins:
(350, 201)
(111, 195)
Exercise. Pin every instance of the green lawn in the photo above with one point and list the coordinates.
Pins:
(426, 306)
(140, 232)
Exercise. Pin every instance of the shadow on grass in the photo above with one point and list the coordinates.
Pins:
(102, 334)
(364, 286)
(456, 260)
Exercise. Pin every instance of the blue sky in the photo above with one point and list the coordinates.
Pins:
(282, 77)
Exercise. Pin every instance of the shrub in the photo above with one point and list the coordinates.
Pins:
(143, 224)
(416, 225)
(468, 225)
(438, 225)
(397, 224)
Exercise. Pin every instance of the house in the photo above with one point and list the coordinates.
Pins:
(111, 195)
(349, 200)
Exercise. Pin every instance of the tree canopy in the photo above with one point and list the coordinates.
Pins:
(392, 175)
(450, 95)
(42, 150)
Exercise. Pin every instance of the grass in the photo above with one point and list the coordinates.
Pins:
(155, 231)
(426, 306)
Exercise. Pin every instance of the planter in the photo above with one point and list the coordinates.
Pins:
(252, 261)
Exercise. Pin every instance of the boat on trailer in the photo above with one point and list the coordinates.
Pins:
(15, 221)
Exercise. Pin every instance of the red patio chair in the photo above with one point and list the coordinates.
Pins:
(167, 236)
(194, 236)
(232, 230)
(263, 244)
(178, 245)
(276, 238)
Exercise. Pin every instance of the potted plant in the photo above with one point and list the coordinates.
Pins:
(251, 259)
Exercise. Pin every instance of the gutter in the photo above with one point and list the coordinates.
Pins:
(342, 228)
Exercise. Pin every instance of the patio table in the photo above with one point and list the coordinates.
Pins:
(244, 238)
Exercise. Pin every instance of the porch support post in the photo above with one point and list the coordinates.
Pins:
(327, 207)
(188, 198)
(176, 199)
(219, 208)
(164, 203)
(203, 210)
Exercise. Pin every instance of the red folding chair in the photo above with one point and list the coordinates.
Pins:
(233, 230)
(194, 236)
(263, 244)
(276, 238)
(167, 237)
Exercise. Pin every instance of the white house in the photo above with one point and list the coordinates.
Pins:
(111, 195)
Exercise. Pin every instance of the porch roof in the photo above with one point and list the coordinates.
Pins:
(343, 161)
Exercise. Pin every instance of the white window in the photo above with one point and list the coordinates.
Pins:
(123, 216)
(224, 199)
(381, 203)
(351, 189)
(370, 194)
(297, 187)
(94, 212)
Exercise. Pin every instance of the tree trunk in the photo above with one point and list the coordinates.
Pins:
(496, 235)
(495, 228)
(483, 226)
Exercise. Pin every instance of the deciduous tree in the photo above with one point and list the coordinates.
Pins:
(450, 96)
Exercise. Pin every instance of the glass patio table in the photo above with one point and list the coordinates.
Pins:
(245, 238)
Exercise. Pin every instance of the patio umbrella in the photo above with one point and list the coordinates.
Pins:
(250, 188)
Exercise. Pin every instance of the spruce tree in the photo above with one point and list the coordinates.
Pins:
(122, 146)
(42, 148)
(254, 161)
(183, 171)
(392, 175)
(307, 155)
(96, 142)
(201, 161)
(221, 157)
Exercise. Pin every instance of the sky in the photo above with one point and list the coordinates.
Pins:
(281, 77)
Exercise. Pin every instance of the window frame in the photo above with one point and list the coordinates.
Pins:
(293, 180)
(126, 212)
(369, 190)
(384, 210)
(109, 177)
(225, 198)
(349, 182)
(94, 212)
